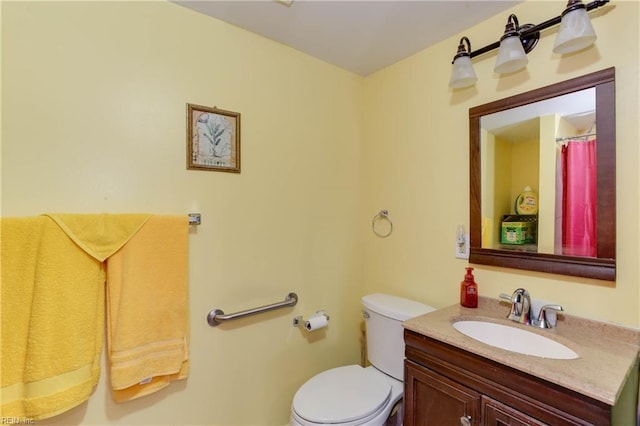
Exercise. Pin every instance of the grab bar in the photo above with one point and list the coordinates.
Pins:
(217, 316)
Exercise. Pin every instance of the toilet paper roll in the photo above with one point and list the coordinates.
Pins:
(316, 322)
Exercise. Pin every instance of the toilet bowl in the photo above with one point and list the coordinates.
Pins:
(353, 395)
(350, 395)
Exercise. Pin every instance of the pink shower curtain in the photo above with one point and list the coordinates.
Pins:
(579, 198)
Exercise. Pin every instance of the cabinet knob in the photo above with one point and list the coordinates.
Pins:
(465, 421)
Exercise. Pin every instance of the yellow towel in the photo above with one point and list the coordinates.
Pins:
(100, 235)
(147, 309)
(52, 297)
(53, 309)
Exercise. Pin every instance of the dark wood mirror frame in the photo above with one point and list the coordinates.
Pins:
(602, 267)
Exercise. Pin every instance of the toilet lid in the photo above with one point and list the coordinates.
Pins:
(341, 394)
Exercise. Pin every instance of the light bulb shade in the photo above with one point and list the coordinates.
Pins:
(575, 33)
(462, 73)
(511, 56)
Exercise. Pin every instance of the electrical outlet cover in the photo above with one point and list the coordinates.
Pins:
(463, 252)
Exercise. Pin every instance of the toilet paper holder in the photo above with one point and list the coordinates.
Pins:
(300, 321)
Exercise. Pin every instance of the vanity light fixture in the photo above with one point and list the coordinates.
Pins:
(512, 56)
(463, 74)
(575, 33)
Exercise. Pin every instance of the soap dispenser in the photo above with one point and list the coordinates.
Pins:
(469, 290)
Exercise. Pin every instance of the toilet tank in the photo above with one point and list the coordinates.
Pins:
(384, 315)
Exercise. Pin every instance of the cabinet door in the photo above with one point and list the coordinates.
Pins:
(495, 413)
(433, 400)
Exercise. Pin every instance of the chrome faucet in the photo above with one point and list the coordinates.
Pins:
(520, 306)
(521, 310)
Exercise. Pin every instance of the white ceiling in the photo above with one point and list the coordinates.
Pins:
(362, 36)
(578, 108)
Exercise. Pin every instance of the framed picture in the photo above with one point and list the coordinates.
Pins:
(213, 139)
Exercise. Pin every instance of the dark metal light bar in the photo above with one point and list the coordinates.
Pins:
(536, 28)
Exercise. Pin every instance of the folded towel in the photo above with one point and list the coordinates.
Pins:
(100, 235)
(147, 309)
(52, 319)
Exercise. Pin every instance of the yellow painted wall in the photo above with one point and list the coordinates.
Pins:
(416, 164)
(525, 168)
(547, 184)
(93, 102)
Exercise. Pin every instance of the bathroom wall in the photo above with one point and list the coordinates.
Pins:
(94, 100)
(416, 164)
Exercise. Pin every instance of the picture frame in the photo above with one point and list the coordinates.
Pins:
(213, 139)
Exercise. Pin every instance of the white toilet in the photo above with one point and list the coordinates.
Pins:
(353, 395)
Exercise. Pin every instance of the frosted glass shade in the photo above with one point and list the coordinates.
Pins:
(575, 33)
(511, 56)
(462, 74)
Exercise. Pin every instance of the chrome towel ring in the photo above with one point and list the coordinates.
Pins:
(382, 215)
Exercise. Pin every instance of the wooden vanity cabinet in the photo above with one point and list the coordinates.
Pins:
(445, 385)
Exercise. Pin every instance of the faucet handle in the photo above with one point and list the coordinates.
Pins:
(505, 296)
(543, 320)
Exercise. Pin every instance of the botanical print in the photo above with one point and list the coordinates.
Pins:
(213, 139)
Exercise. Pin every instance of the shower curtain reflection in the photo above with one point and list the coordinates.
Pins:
(578, 198)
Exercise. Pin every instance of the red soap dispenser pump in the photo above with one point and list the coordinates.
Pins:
(469, 290)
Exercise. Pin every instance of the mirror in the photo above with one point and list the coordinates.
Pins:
(530, 140)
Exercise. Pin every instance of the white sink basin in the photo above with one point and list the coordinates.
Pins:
(514, 339)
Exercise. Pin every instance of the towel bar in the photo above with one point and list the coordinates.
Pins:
(217, 316)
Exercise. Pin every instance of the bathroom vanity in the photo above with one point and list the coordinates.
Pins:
(451, 378)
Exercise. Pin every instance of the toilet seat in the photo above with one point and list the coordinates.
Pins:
(343, 395)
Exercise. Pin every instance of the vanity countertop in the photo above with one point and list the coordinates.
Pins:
(607, 353)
